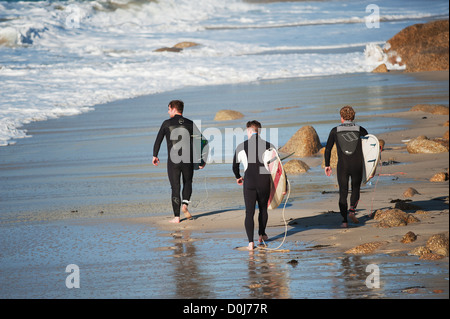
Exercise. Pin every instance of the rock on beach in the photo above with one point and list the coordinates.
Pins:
(296, 167)
(305, 142)
(228, 115)
(366, 248)
(393, 218)
(424, 145)
(421, 47)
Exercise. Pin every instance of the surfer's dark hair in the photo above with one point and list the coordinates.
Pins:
(347, 113)
(255, 125)
(178, 105)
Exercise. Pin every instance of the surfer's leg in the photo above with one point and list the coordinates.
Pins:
(343, 179)
(263, 198)
(174, 173)
(250, 203)
(354, 197)
(188, 174)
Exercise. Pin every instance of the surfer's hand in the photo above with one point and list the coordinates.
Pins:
(201, 167)
(155, 161)
(240, 181)
(328, 171)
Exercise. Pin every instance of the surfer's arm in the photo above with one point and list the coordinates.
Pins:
(329, 147)
(158, 141)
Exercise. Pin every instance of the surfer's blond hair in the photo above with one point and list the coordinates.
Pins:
(347, 113)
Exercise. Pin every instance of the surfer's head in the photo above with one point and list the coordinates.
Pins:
(347, 113)
(176, 107)
(253, 126)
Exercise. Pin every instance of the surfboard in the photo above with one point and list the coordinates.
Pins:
(371, 153)
(273, 164)
(200, 150)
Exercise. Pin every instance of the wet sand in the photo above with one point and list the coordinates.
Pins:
(81, 193)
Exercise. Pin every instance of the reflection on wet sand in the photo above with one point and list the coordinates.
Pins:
(189, 281)
(265, 278)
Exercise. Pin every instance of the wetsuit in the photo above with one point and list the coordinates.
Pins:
(178, 132)
(256, 182)
(347, 137)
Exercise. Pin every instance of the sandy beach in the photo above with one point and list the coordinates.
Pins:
(89, 204)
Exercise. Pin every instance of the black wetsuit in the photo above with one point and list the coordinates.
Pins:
(256, 182)
(180, 160)
(347, 137)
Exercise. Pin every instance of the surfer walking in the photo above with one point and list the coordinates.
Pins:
(179, 132)
(347, 137)
(255, 182)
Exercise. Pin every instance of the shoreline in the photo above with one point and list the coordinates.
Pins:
(119, 246)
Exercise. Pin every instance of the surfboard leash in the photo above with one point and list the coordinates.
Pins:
(284, 220)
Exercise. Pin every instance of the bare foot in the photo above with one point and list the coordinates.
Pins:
(251, 246)
(175, 220)
(353, 218)
(185, 211)
(263, 238)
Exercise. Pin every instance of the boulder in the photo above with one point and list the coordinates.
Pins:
(431, 108)
(177, 47)
(382, 68)
(438, 244)
(393, 218)
(439, 177)
(409, 237)
(410, 192)
(228, 115)
(421, 47)
(305, 142)
(296, 167)
(422, 144)
(419, 251)
(366, 248)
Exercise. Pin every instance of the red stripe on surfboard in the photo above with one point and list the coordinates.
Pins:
(275, 182)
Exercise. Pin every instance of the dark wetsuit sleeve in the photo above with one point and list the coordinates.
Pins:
(236, 163)
(159, 139)
(329, 147)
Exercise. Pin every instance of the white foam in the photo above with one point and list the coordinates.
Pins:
(60, 58)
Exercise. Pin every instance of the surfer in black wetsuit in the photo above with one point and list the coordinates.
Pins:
(179, 132)
(347, 137)
(256, 180)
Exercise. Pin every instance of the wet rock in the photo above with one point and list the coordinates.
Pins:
(422, 47)
(393, 218)
(431, 108)
(228, 115)
(419, 251)
(382, 68)
(305, 142)
(431, 256)
(423, 145)
(296, 167)
(409, 237)
(439, 177)
(410, 192)
(438, 244)
(177, 47)
(366, 248)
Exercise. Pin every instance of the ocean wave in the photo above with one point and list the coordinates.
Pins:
(318, 22)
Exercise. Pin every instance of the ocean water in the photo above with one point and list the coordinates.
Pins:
(62, 58)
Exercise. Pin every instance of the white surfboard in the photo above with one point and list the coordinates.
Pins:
(273, 164)
(371, 153)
